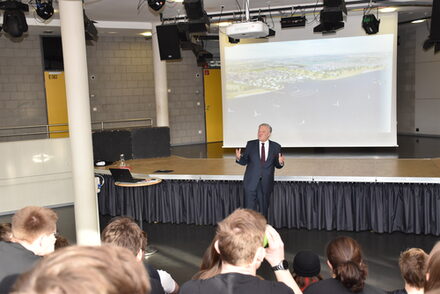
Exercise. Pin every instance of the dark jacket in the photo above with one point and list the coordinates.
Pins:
(14, 260)
(254, 169)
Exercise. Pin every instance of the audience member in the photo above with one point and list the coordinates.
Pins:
(86, 269)
(348, 270)
(306, 269)
(5, 232)
(434, 250)
(239, 243)
(124, 232)
(211, 263)
(60, 242)
(33, 235)
(412, 264)
(432, 283)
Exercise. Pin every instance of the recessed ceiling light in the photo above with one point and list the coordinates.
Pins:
(224, 23)
(56, 11)
(146, 34)
(418, 21)
(177, 1)
(387, 9)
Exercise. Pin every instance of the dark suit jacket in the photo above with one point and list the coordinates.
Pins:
(254, 169)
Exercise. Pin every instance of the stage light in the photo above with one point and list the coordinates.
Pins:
(434, 32)
(330, 17)
(156, 5)
(370, 24)
(44, 9)
(90, 30)
(14, 21)
(198, 20)
(201, 55)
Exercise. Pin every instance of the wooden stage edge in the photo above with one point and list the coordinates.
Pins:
(383, 170)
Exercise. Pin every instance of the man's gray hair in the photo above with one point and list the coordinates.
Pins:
(266, 125)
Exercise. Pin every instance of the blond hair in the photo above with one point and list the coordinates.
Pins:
(124, 232)
(240, 235)
(412, 263)
(86, 269)
(31, 222)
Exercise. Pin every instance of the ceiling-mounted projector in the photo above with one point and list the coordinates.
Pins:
(247, 30)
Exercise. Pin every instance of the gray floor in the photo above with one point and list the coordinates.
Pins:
(181, 247)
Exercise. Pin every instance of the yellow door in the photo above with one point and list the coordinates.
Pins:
(213, 105)
(56, 103)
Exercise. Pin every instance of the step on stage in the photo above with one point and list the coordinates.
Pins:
(383, 195)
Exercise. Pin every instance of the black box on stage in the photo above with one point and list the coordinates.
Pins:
(109, 145)
(150, 142)
(134, 143)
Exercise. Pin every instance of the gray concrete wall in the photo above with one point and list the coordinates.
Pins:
(186, 100)
(406, 79)
(418, 89)
(121, 81)
(22, 96)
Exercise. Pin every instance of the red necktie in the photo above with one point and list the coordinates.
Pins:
(263, 154)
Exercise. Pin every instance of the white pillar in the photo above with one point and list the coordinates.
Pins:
(77, 92)
(160, 84)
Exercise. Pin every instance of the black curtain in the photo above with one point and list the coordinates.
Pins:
(378, 207)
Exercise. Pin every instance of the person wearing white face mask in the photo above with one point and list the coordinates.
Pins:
(33, 236)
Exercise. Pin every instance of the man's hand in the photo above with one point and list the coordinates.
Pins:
(238, 153)
(281, 159)
(275, 251)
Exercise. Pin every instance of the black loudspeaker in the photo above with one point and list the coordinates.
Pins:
(169, 44)
(53, 53)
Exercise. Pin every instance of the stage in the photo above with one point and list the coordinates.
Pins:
(383, 195)
(384, 170)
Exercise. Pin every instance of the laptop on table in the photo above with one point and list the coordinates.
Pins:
(124, 175)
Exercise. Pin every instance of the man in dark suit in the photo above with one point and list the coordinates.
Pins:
(260, 157)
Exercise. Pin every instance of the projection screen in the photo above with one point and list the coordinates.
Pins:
(337, 91)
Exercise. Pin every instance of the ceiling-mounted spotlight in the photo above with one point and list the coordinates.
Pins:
(434, 32)
(198, 20)
(370, 24)
(44, 9)
(201, 54)
(330, 17)
(156, 5)
(14, 21)
(90, 30)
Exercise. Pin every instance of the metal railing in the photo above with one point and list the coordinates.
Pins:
(98, 125)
